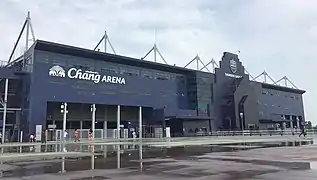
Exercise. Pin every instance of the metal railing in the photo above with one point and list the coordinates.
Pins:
(263, 132)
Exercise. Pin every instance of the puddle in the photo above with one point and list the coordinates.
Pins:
(150, 160)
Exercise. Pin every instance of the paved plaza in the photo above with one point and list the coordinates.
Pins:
(204, 158)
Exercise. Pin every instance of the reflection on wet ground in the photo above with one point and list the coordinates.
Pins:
(230, 161)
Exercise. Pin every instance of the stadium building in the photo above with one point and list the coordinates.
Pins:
(126, 89)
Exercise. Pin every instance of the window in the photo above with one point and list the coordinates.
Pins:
(80, 63)
(59, 62)
(129, 71)
(147, 74)
(161, 76)
(110, 69)
(84, 68)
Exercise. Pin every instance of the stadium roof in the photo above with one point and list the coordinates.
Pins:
(87, 53)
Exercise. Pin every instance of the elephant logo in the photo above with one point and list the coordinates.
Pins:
(56, 71)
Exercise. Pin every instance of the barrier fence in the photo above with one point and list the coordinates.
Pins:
(100, 134)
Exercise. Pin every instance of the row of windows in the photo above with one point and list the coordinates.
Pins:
(272, 105)
(297, 97)
(114, 91)
(285, 117)
(131, 94)
(107, 67)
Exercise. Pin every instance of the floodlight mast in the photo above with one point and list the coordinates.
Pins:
(213, 64)
(198, 61)
(106, 40)
(265, 75)
(155, 51)
(283, 79)
(27, 26)
(286, 81)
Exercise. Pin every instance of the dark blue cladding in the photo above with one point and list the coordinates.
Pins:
(118, 85)
(182, 98)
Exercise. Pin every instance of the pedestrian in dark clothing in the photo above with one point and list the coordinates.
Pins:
(303, 132)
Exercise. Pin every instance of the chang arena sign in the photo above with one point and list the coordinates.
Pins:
(74, 73)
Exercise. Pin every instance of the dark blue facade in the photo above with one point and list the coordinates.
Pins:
(213, 100)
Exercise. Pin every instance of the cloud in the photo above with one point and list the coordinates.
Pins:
(280, 36)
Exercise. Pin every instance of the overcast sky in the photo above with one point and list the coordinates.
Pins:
(279, 36)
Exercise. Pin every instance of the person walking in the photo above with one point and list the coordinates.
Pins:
(90, 139)
(302, 127)
(32, 138)
(76, 138)
(303, 132)
(90, 135)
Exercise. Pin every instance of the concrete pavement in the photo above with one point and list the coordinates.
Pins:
(194, 163)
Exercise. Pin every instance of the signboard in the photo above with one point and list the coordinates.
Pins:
(74, 73)
(233, 75)
(38, 133)
(52, 126)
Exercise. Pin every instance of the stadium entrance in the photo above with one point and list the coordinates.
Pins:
(108, 120)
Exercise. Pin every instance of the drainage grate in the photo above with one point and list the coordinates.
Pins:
(92, 178)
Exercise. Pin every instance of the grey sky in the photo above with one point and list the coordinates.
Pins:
(279, 36)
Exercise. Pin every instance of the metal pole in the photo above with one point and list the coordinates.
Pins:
(105, 38)
(155, 52)
(118, 122)
(93, 122)
(118, 157)
(105, 125)
(141, 156)
(242, 124)
(5, 110)
(265, 77)
(63, 165)
(197, 62)
(18, 40)
(27, 32)
(140, 122)
(92, 161)
(81, 129)
(64, 120)
(21, 136)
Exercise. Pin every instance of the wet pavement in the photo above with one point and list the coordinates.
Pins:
(258, 161)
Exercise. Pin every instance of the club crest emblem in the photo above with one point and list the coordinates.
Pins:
(233, 66)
